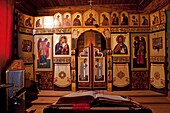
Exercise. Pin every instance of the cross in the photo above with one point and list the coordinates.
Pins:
(91, 1)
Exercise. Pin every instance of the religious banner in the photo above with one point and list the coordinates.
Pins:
(62, 45)
(120, 45)
(121, 75)
(62, 77)
(43, 52)
(157, 44)
(139, 51)
(157, 75)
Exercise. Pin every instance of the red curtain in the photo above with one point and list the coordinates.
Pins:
(6, 23)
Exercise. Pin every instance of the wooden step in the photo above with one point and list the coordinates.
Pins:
(45, 100)
(52, 93)
(137, 93)
(152, 100)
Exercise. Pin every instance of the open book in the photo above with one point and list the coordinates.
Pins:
(91, 96)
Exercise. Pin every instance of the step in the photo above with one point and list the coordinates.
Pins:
(45, 100)
(137, 93)
(52, 93)
(152, 100)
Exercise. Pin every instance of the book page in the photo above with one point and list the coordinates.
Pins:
(78, 94)
(111, 97)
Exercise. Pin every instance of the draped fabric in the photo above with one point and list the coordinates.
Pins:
(17, 78)
(6, 20)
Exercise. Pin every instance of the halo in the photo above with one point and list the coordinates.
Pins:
(117, 38)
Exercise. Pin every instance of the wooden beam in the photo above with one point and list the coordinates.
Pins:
(99, 8)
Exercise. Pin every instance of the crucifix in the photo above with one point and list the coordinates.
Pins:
(91, 1)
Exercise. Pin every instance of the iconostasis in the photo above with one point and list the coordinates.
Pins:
(135, 47)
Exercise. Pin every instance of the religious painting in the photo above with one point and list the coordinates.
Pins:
(62, 45)
(83, 72)
(29, 75)
(162, 16)
(73, 62)
(38, 22)
(157, 43)
(134, 19)
(77, 19)
(120, 44)
(115, 18)
(99, 66)
(154, 18)
(106, 32)
(139, 51)
(48, 21)
(66, 19)
(20, 19)
(25, 47)
(104, 19)
(157, 75)
(144, 20)
(62, 77)
(83, 66)
(91, 18)
(57, 20)
(121, 75)
(124, 18)
(28, 21)
(43, 52)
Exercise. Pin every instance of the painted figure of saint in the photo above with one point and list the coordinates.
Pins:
(141, 51)
(57, 21)
(124, 20)
(43, 51)
(105, 21)
(145, 21)
(66, 21)
(38, 23)
(62, 48)
(76, 21)
(134, 20)
(98, 69)
(90, 20)
(115, 20)
(28, 22)
(155, 20)
(120, 48)
(83, 70)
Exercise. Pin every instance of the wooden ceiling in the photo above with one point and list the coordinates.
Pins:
(32, 7)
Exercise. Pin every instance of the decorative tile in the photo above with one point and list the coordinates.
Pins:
(140, 80)
(46, 79)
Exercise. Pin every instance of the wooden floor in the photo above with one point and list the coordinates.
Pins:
(159, 103)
